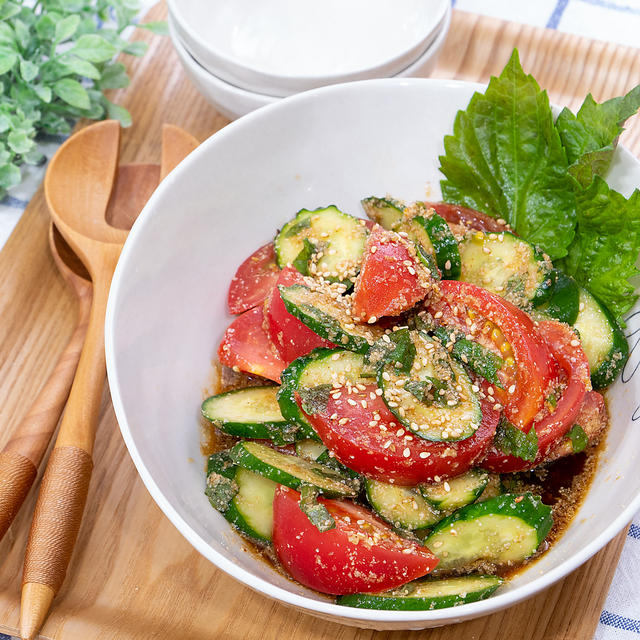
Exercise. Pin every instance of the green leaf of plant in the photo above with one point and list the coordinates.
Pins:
(116, 112)
(72, 93)
(114, 76)
(7, 61)
(19, 142)
(43, 92)
(46, 25)
(66, 28)
(159, 28)
(590, 137)
(8, 10)
(514, 442)
(7, 35)
(28, 70)
(9, 176)
(137, 48)
(5, 123)
(93, 48)
(81, 67)
(579, 439)
(505, 158)
(22, 33)
(603, 256)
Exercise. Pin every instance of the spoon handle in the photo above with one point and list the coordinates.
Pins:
(65, 484)
(23, 453)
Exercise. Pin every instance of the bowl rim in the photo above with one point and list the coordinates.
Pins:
(313, 606)
(252, 75)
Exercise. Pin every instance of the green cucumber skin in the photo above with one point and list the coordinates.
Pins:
(407, 603)
(244, 458)
(329, 330)
(234, 517)
(606, 374)
(530, 510)
(390, 213)
(563, 301)
(444, 243)
(290, 378)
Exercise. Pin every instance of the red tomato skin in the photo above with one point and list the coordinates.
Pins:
(246, 345)
(291, 337)
(254, 280)
(387, 285)
(362, 448)
(329, 562)
(551, 428)
(536, 367)
(455, 214)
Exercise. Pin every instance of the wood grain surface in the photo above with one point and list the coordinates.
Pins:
(132, 575)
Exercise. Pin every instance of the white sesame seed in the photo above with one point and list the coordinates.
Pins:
(407, 452)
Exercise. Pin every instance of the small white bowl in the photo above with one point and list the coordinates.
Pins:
(234, 102)
(283, 47)
(167, 309)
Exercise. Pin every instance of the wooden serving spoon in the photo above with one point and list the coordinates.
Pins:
(23, 453)
(89, 197)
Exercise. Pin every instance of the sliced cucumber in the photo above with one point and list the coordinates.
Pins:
(321, 369)
(507, 266)
(310, 449)
(456, 492)
(292, 471)
(337, 239)
(427, 594)
(447, 408)
(493, 489)
(602, 339)
(250, 413)
(328, 317)
(425, 250)
(243, 497)
(443, 242)
(403, 507)
(386, 212)
(564, 298)
(503, 531)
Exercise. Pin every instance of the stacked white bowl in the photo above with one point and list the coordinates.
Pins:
(244, 55)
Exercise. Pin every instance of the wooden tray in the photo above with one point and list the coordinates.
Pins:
(132, 574)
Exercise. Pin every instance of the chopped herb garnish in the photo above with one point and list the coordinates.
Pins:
(317, 513)
(579, 439)
(315, 399)
(399, 350)
(301, 262)
(220, 490)
(514, 442)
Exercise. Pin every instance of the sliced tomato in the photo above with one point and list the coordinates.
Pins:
(592, 417)
(365, 436)
(456, 214)
(361, 554)
(254, 280)
(390, 281)
(495, 322)
(291, 337)
(247, 346)
(551, 428)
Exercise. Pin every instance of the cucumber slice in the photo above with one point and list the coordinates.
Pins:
(456, 492)
(602, 339)
(291, 470)
(564, 298)
(310, 449)
(444, 244)
(449, 409)
(403, 507)
(322, 368)
(251, 510)
(328, 317)
(507, 266)
(427, 594)
(386, 212)
(503, 531)
(493, 489)
(250, 413)
(338, 240)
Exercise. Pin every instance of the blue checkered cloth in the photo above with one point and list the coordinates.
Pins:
(614, 21)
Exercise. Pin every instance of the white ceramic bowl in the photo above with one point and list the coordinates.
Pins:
(234, 102)
(283, 47)
(167, 310)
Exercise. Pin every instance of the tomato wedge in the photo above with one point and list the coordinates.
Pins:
(368, 439)
(247, 346)
(551, 428)
(361, 554)
(390, 281)
(529, 366)
(254, 280)
(291, 337)
(456, 214)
